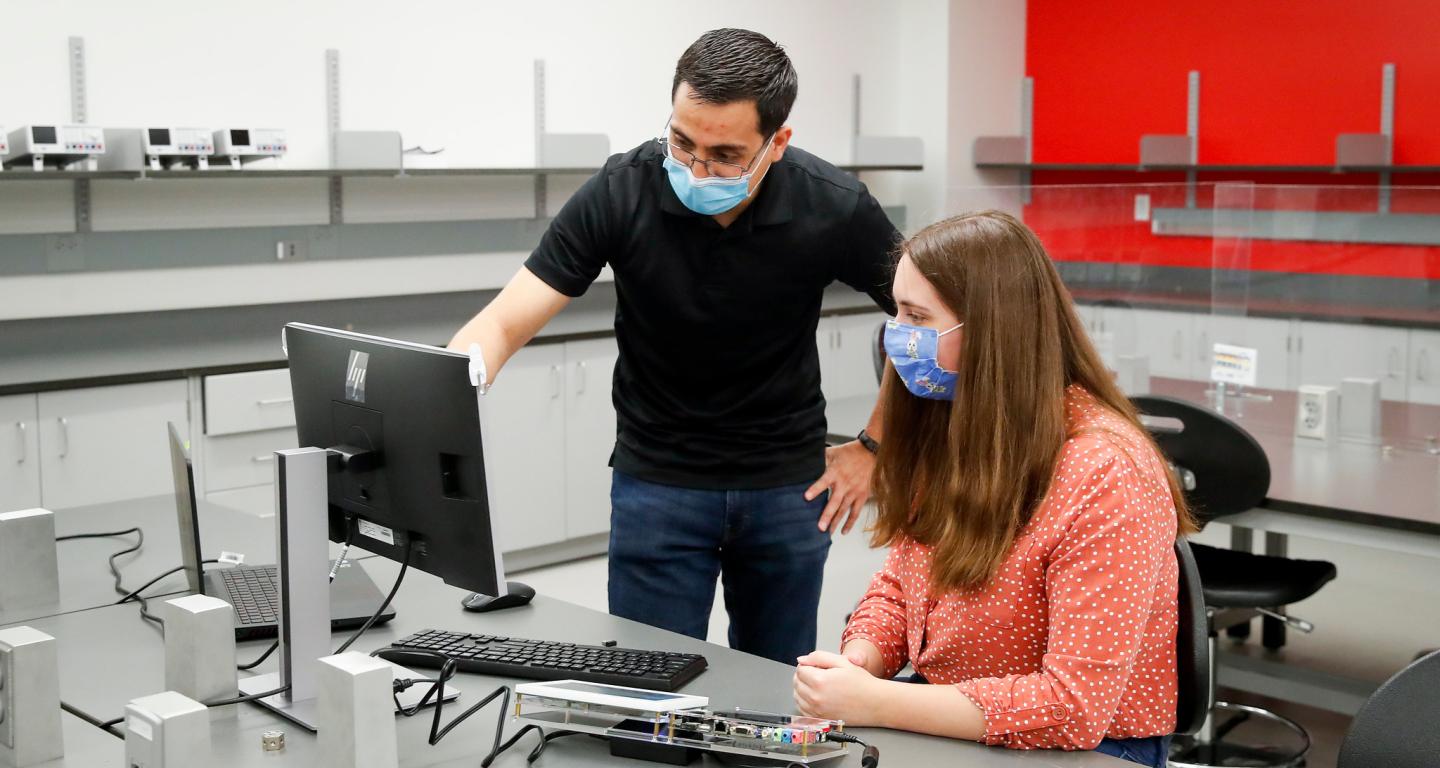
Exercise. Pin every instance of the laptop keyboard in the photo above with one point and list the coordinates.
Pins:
(253, 593)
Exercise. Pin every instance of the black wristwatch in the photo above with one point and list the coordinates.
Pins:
(869, 442)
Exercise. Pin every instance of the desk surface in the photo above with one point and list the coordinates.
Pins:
(1349, 482)
(109, 656)
(85, 579)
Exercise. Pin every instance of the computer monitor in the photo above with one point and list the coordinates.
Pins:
(185, 506)
(403, 426)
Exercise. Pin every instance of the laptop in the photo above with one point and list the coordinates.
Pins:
(253, 590)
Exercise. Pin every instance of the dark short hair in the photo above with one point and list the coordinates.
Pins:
(729, 65)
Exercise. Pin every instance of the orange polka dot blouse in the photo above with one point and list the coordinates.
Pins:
(1074, 638)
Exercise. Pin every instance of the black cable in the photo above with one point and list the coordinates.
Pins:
(105, 535)
(448, 669)
(135, 594)
(370, 622)
(349, 540)
(869, 755)
(107, 726)
(261, 660)
(245, 698)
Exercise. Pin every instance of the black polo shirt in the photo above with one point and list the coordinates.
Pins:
(718, 381)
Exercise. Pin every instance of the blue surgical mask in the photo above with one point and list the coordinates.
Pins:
(914, 351)
(711, 195)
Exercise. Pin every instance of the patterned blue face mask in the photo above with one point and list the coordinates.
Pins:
(914, 350)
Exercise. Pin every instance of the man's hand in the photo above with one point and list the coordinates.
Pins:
(831, 686)
(848, 469)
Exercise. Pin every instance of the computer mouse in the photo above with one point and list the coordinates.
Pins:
(517, 594)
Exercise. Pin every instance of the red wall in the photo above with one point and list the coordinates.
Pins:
(1279, 79)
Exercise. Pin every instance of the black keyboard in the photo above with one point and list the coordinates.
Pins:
(545, 660)
(253, 591)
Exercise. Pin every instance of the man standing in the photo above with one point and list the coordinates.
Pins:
(722, 238)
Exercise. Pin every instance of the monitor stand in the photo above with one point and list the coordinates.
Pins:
(302, 550)
(301, 503)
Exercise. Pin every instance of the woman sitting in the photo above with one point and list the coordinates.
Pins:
(1031, 578)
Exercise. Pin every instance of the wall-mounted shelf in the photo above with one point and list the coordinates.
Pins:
(1300, 226)
(322, 173)
(1206, 168)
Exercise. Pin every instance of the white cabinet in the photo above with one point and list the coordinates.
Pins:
(589, 435)
(847, 362)
(1330, 352)
(19, 453)
(524, 422)
(248, 402)
(1168, 338)
(108, 443)
(1424, 367)
(243, 460)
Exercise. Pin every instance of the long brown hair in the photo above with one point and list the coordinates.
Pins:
(965, 476)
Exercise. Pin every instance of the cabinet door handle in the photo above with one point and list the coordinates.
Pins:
(580, 378)
(1392, 364)
(1175, 348)
(275, 401)
(263, 458)
(64, 436)
(1422, 366)
(1204, 342)
(24, 444)
(555, 390)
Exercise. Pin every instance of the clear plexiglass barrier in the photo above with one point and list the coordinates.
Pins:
(1302, 311)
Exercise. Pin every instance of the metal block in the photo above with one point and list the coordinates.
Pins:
(356, 715)
(29, 569)
(368, 150)
(1360, 410)
(998, 150)
(574, 150)
(29, 698)
(1166, 149)
(1352, 149)
(166, 730)
(200, 648)
(889, 150)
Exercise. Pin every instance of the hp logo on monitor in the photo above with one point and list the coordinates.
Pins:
(355, 376)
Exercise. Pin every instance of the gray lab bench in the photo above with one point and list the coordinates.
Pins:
(109, 656)
(85, 578)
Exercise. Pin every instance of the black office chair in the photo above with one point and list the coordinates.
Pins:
(1396, 727)
(1225, 472)
(1192, 645)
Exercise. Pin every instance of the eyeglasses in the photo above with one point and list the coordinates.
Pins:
(718, 168)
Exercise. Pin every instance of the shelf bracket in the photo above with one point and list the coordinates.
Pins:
(1192, 129)
(332, 125)
(1387, 129)
(1027, 133)
(79, 113)
(542, 182)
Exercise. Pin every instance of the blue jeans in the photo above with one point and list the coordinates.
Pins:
(668, 545)
(1153, 751)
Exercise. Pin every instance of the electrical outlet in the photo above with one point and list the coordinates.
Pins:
(291, 250)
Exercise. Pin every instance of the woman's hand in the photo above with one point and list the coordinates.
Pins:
(832, 686)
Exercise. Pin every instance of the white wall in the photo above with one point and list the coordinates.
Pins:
(987, 65)
(447, 73)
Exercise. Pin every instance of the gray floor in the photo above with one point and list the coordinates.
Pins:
(852, 563)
